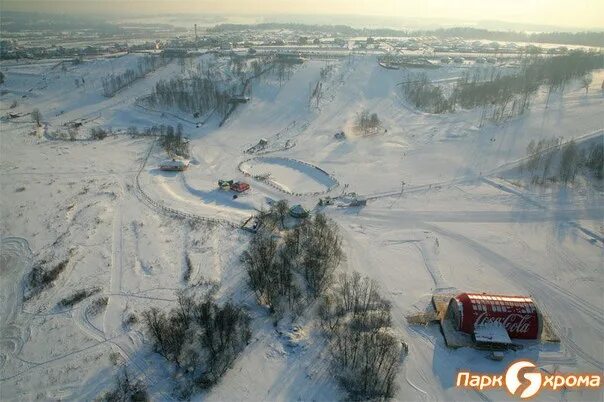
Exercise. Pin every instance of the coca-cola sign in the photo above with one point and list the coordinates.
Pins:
(513, 323)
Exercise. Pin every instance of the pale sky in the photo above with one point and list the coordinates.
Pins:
(576, 13)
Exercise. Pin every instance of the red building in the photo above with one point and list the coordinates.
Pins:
(518, 314)
(240, 186)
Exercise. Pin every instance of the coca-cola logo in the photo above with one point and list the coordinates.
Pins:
(516, 323)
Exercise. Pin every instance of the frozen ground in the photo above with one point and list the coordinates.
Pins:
(460, 223)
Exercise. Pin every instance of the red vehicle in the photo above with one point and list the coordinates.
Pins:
(518, 314)
(240, 186)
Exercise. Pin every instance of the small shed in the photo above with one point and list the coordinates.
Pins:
(298, 211)
(358, 202)
(174, 164)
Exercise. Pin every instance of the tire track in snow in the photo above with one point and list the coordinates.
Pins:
(519, 273)
(80, 316)
(527, 197)
(159, 206)
(112, 312)
(16, 259)
(437, 277)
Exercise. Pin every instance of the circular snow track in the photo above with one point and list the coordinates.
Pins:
(289, 175)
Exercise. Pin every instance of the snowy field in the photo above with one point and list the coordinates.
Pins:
(463, 222)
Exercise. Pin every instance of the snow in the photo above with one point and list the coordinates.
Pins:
(460, 224)
(492, 332)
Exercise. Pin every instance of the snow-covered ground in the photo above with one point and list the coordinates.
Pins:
(125, 227)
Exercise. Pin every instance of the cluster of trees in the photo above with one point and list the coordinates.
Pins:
(317, 93)
(173, 141)
(506, 94)
(549, 159)
(367, 123)
(285, 265)
(196, 95)
(595, 161)
(299, 264)
(126, 390)
(99, 133)
(114, 82)
(425, 96)
(77, 297)
(283, 71)
(208, 87)
(201, 338)
(540, 157)
(366, 352)
(41, 278)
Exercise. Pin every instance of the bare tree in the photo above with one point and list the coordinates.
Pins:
(126, 390)
(595, 161)
(321, 248)
(569, 162)
(281, 208)
(586, 81)
(36, 117)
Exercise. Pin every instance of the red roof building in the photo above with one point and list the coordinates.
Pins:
(518, 314)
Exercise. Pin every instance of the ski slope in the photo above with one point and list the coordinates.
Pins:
(461, 222)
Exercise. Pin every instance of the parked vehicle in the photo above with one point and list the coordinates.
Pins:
(240, 186)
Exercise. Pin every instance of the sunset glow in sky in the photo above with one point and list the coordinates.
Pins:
(576, 13)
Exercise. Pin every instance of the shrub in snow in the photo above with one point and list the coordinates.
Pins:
(97, 306)
(77, 297)
(40, 278)
(126, 390)
(98, 133)
(188, 268)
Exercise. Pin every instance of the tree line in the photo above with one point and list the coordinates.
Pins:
(208, 87)
(196, 95)
(550, 159)
(146, 64)
(506, 95)
(567, 38)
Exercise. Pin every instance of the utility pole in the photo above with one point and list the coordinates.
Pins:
(196, 38)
